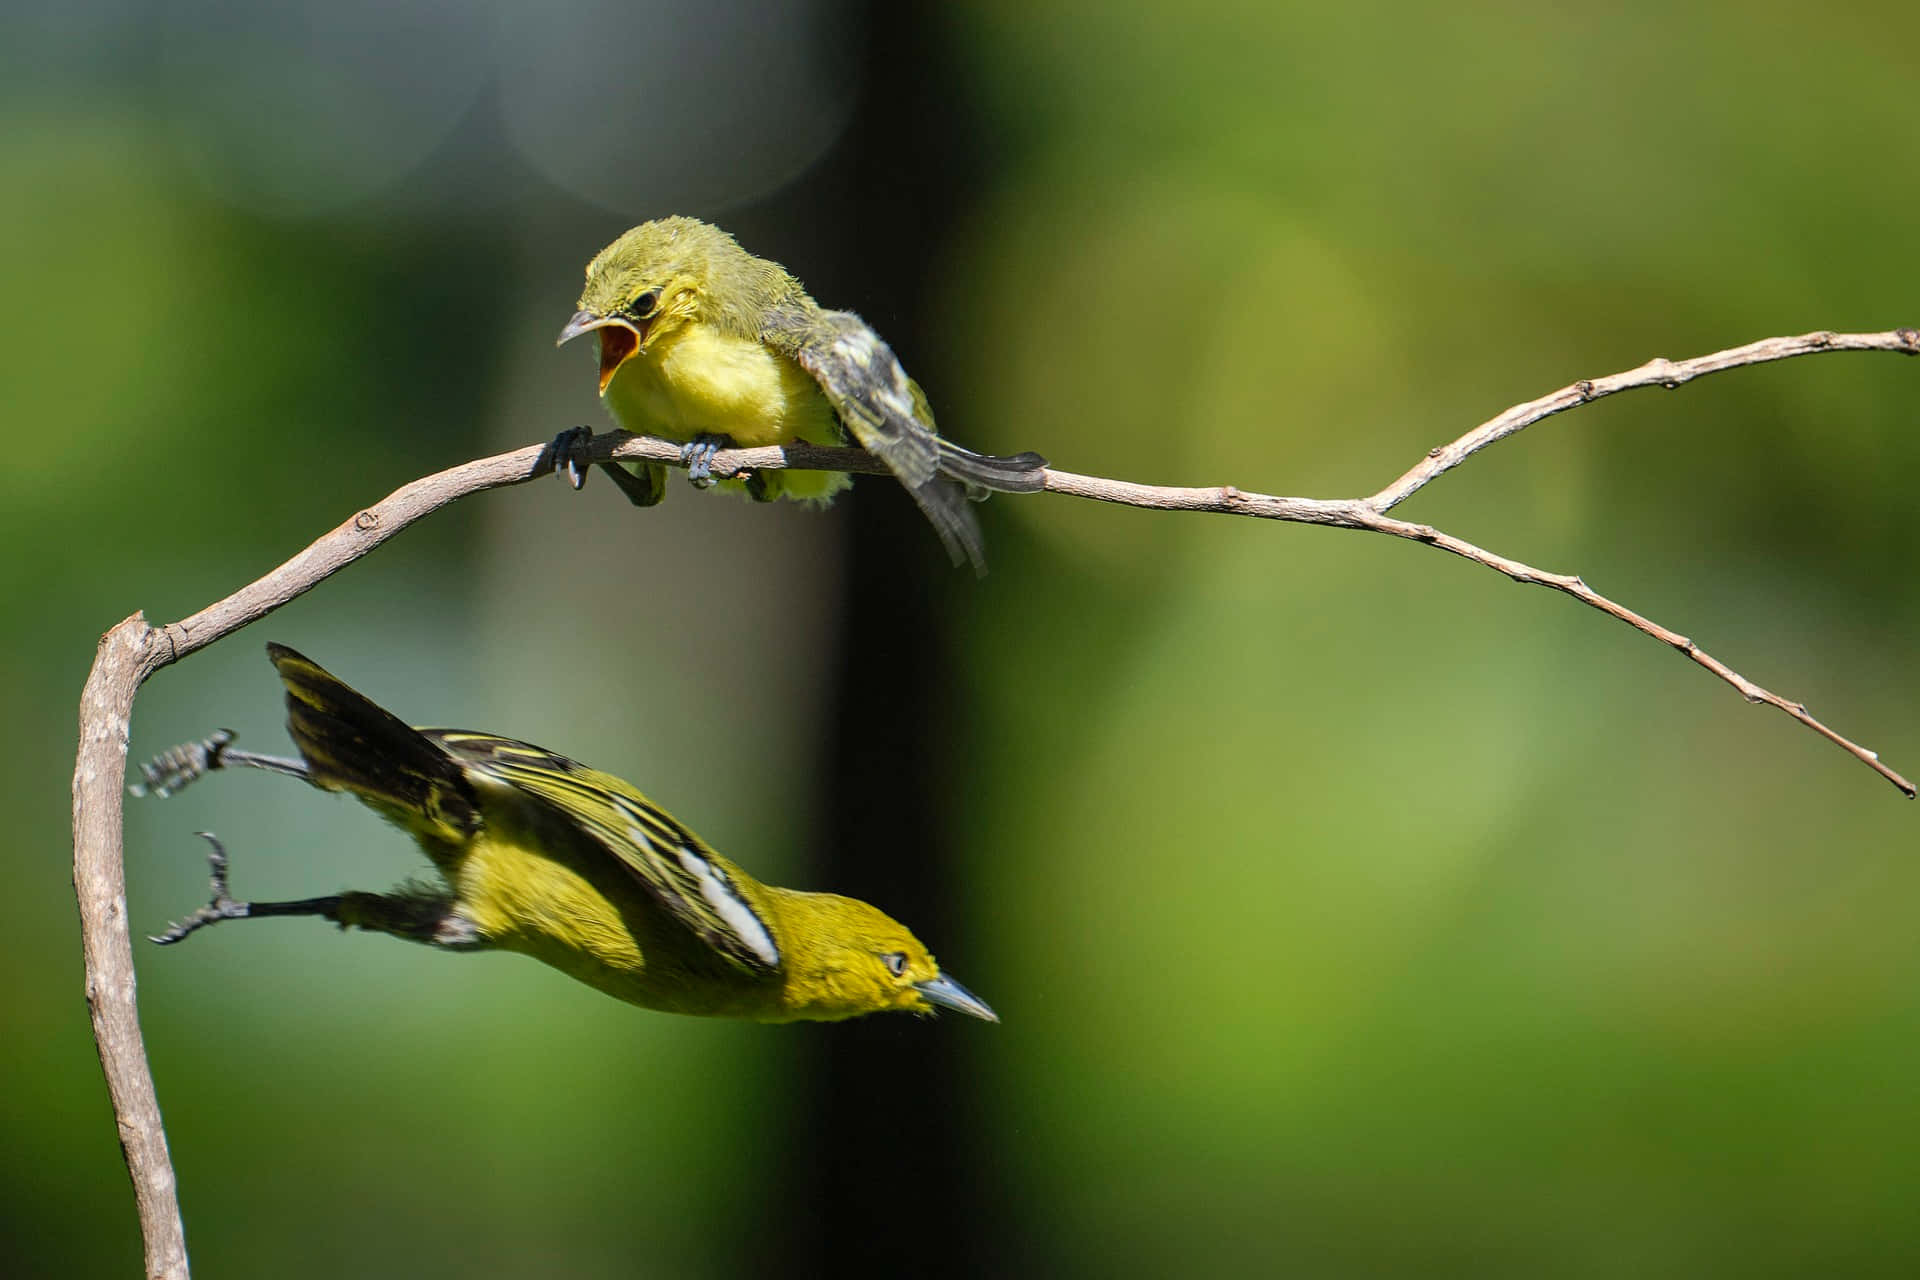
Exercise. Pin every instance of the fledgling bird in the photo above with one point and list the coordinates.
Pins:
(542, 855)
(703, 342)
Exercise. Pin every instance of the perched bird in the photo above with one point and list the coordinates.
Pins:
(703, 342)
(541, 855)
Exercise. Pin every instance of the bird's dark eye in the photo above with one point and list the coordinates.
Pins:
(643, 306)
(896, 962)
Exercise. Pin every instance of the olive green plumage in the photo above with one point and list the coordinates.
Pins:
(702, 341)
(542, 855)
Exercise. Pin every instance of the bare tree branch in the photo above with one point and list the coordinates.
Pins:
(134, 650)
(1657, 372)
(125, 659)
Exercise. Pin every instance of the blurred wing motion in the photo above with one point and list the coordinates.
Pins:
(675, 866)
(426, 781)
(888, 416)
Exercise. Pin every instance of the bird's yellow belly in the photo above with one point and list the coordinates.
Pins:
(700, 381)
(540, 893)
(524, 900)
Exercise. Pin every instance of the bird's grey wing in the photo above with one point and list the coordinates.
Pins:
(878, 405)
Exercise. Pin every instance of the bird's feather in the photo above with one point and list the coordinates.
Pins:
(881, 409)
(691, 882)
(352, 744)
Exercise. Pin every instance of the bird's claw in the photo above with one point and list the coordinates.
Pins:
(175, 767)
(697, 456)
(567, 455)
(220, 907)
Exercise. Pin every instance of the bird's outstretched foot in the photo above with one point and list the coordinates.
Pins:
(567, 455)
(220, 907)
(697, 456)
(175, 767)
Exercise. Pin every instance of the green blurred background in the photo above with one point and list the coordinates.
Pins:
(1351, 911)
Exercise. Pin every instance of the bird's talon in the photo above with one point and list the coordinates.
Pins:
(175, 767)
(566, 455)
(219, 907)
(697, 456)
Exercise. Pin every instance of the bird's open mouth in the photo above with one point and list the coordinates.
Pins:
(619, 339)
(617, 342)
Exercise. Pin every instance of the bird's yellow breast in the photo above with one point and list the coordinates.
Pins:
(529, 882)
(699, 380)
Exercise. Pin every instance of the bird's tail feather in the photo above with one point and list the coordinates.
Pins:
(945, 504)
(1020, 473)
(351, 744)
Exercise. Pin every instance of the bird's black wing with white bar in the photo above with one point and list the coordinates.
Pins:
(675, 866)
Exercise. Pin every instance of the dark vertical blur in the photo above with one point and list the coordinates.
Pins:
(883, 1177)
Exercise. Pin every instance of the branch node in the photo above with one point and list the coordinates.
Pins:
(1820, 339)
(1582, 388)
(176, 638)
(1436, 451)
(1664, 371)
(367, 521)
(1911, 337)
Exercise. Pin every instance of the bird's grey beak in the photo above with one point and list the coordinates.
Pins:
(582, 322)
(948, 994)
(618, 340)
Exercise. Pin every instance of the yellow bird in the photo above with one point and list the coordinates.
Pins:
(542, 855)
(701, 341)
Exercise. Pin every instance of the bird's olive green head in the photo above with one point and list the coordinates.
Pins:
(665, 275)
(643, 286)
(845, 958)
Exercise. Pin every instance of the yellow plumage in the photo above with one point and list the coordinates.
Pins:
(702, 381)
(542, 855)
(702, 342)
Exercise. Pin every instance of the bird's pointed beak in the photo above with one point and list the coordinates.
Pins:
(618, 340)
(582, 322)
(948, 994)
